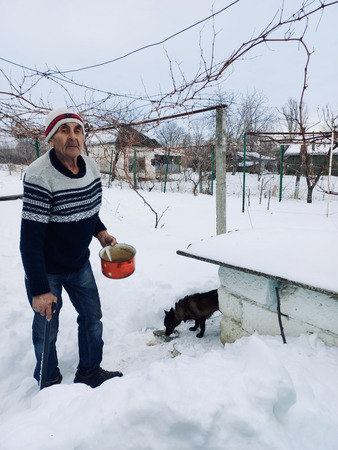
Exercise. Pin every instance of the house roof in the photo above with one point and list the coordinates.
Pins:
(129, 137)
(320, 149)
(256, 156)
(126, 136)
(101, 138)
(164, 151)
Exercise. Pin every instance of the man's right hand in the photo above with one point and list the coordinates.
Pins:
(42, 304)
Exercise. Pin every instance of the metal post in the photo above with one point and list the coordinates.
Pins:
(166, 171)
(220, 171)
(45, 353)
(212, 169)
(110, 168)
(135, 161)
(330, 172)
(281, 171)
(37, 146)
(244, 170)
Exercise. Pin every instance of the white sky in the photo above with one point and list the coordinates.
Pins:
(72, 34)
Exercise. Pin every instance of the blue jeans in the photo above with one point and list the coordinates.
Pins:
(82, 290)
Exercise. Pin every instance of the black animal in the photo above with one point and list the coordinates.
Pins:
(198, 307)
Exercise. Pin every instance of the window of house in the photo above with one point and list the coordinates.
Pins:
(140, 164)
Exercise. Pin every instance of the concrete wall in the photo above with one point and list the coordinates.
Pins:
(249, 304)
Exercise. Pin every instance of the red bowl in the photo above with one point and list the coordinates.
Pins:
(121, 263)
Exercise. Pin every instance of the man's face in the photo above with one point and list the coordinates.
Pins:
(68, 141)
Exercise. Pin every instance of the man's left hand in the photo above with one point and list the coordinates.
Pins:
(106, 239)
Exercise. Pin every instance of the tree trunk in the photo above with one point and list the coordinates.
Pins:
(296, 194)
(309, 194)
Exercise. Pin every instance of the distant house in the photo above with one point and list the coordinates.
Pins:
(101, 148)
(170, 160)
(124, 153)
(318, 157)
(256, 163)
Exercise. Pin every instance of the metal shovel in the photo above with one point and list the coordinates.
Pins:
(45, 354)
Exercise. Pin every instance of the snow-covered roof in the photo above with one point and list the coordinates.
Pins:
(256, 155)
(163, 151)
(302, 257)
(101, 138)
(124, 136)
(321, 149)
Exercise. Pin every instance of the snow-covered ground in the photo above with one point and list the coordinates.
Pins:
(186, 393)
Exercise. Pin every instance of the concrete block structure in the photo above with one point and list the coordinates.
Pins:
(290, 294)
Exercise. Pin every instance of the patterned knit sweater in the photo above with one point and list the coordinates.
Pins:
(60, 216)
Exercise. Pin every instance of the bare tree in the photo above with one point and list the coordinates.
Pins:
(16, 103)
(22, 116)
(197, 151)
(246, 113)
(330, 117)
(291, 114)
(170, 135)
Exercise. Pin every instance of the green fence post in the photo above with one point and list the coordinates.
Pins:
(166, 171)
(281, 171)
(135, 181)
(37, 146)
(110, 168)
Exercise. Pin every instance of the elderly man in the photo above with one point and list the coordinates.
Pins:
(61, 203)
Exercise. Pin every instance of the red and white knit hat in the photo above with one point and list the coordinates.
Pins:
(58, 117)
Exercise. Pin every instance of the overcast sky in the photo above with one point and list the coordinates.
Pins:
(73, 34)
